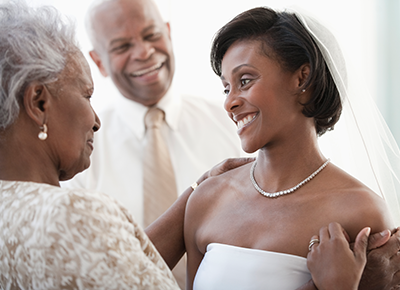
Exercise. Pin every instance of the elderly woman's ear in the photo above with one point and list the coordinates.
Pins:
(36, 102)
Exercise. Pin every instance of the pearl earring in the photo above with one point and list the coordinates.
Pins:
(43, 133)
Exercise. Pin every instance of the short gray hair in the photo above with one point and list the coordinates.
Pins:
(34, 46)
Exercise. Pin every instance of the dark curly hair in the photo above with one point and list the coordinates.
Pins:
(285, 39)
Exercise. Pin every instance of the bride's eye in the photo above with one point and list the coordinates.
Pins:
(244, 82)
(226, 89)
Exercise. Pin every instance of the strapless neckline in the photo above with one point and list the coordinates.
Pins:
(255, 251)
(232, 267)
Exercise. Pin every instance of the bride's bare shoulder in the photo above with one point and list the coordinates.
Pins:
(357, 201)
(228, 181)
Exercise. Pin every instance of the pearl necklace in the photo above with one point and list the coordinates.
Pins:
(283, 192)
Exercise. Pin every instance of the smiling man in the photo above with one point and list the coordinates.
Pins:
(132, 45)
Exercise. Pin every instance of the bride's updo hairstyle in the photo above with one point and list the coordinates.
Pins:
(285, 40)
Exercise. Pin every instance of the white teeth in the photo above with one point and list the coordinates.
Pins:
(245, 121)
(147, 70)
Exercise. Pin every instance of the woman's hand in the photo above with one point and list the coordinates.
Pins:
(166, 232)
(333, 265)
(224, 166)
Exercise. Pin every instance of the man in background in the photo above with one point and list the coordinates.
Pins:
(132, 45)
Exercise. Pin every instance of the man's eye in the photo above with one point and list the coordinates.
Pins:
(122, 48)
(153, 36)
(225, 92)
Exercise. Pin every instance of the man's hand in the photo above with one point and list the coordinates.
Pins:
(382, 271)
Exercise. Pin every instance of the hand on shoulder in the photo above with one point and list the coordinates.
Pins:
(333, 265)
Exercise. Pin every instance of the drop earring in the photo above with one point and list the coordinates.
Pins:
(43, 132)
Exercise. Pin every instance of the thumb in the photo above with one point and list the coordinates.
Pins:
(361, 244)
(378, 239)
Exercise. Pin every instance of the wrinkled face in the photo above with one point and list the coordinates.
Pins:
(134, 48)
(260, 96)
(72, 120)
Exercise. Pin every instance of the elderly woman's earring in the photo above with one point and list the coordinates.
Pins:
(43, 132)
(303, 90)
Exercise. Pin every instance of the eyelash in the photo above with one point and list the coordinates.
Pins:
(243, 82)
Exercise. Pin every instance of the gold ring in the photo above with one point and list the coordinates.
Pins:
(312, 242)
(194, 185)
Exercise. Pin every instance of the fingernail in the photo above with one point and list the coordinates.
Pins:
(384, 233)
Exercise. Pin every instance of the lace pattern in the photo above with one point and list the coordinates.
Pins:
(56, 238)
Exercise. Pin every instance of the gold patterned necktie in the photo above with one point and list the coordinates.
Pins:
(159, 185)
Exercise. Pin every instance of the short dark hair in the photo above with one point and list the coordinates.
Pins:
(284, 39)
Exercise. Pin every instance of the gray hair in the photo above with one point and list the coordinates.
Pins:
(34, 46)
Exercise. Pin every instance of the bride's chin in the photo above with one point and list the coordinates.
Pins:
(248, 148)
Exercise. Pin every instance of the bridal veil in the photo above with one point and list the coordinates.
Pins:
(361, 142)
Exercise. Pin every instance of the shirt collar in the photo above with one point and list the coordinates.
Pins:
(132, 113)
(171, 104)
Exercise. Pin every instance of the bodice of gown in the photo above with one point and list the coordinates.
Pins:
(231, 267)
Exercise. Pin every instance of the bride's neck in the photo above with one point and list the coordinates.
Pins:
(284, 165)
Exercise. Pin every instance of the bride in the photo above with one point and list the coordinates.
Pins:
(250, 228)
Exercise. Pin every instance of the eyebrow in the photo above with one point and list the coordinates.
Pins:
(119, 40)
(122, 39)
(236, 69)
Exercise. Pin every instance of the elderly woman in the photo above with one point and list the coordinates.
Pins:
(53, 238)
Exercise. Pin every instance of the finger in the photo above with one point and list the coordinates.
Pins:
(361, 244)
(346, 235)
(324, 234)
(337, 231)
(229, 164)
(393, 246)
(395, 230)
(396, 278)
(313, 242)
(232, 163)
(378, 239)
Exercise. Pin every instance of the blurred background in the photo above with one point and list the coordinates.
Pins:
(367, 30)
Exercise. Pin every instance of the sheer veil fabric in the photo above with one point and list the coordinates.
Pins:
(361, 142)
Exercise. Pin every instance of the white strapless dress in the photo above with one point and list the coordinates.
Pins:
(234, 268)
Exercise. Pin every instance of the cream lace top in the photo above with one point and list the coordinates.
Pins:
(57, 238)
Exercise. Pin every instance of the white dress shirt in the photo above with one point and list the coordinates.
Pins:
(198, 132)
